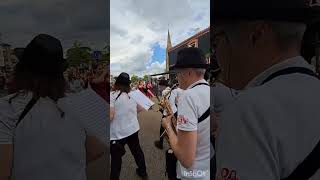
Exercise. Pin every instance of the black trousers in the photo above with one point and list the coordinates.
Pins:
(118, 150)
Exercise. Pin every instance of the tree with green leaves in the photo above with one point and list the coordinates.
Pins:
(78, 54)
(145, 78)
(105, 57)
(134, 78)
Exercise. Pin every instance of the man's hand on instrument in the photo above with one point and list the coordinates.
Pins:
(166, 122)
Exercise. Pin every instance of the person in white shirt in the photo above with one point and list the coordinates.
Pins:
(49, 143)
(124, 128)
(75, 84)
(273, 124)
(191, 144)
(173, 94)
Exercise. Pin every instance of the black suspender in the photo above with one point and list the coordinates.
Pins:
(310, 165)
(290, 70)
(207, 113)
(206, 84)
(204, 115)
(28, 107)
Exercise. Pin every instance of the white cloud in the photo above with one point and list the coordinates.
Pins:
(137, 25)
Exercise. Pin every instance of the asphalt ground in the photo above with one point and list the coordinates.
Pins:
(155, 158)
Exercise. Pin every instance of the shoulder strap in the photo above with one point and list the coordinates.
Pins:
(308, 167)
(204, 115)
(28, 107)
(199, 85)
(290, 70)
(207, 113)
(169, 95)
(118, 96)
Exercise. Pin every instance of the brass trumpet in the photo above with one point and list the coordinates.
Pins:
(165, 105)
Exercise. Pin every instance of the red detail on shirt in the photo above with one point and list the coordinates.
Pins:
(182, 120)
(227, 174)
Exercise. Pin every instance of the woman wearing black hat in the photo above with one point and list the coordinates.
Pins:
(124, 127)
(48, 142)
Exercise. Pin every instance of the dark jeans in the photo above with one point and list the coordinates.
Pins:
(118, 150)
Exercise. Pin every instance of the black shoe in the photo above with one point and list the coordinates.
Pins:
(142, 175)
(158, 144)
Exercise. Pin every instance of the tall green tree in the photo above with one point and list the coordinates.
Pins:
(78, 54)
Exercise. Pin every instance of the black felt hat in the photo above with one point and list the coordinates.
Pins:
(43, 56)
(190, 58)
(306, 11)
(123, 79)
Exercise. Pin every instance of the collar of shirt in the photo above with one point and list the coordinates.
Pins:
(197, 82)
(297, 61)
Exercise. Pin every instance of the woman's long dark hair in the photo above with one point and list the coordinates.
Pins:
(40, 86)
(122, 88)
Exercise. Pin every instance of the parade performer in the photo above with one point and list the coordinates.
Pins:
(191, 144)
(124, 128)
(33, 116)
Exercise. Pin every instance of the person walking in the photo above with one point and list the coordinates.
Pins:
(124, 128)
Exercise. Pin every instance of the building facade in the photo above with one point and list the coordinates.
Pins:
(8, 60)
(200, 40)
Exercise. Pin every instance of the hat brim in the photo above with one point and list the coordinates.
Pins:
(121, 82)
(62, 68)
(196, 66)
(164, 73)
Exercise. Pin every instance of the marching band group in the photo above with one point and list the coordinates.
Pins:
(185, 108)
(263, 107)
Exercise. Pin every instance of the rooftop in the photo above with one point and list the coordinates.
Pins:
(207, 30)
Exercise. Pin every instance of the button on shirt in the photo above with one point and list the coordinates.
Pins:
(125, 121)
(269, 129)
(192, 105)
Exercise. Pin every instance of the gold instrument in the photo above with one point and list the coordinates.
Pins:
(165, 105)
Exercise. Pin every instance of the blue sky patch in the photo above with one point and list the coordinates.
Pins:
(159, 54)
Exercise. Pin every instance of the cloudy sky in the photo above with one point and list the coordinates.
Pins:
(138, 31)
(68, 20)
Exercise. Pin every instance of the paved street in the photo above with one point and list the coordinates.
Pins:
(3, 93)
(155, 158)
(98, 169)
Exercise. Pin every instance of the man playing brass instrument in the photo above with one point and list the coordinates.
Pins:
(191, 144)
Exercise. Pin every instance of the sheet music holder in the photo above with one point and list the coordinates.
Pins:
(141, 99)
